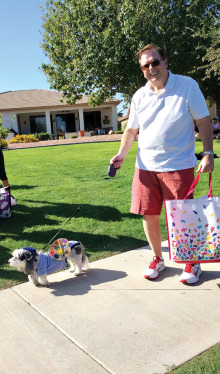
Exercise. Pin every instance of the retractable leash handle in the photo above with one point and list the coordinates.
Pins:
(196, 180)
(63, 226)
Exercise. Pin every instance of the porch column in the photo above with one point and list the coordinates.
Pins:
(81, 120)
(48, 124)
(114, 118)
(15, 123)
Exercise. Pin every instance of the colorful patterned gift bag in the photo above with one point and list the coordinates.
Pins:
(193, 227)
(5, 207)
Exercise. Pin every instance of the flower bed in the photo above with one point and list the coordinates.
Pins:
(23, 139)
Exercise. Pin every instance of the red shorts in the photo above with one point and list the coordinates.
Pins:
(150, 189)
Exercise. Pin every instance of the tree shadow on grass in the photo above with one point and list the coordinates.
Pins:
(21, 187)
(93, 243)
(25, 218)
(8, 275)
(98, 212)
(12, 276)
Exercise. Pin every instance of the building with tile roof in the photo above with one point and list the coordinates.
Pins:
(42, 110)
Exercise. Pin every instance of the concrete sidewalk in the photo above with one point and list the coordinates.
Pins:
(110, 319)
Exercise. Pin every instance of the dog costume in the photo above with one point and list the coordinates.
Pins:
(55, 259)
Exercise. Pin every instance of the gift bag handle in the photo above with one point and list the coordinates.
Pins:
(193, 186)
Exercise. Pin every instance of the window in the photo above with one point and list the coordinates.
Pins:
(66, 122)
(38, 124)
(92, 120)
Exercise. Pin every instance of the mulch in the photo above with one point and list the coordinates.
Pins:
(78, 140)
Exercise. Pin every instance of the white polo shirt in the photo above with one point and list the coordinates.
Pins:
(165, 122)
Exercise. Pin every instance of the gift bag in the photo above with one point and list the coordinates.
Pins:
(193, 227)
(5, 206)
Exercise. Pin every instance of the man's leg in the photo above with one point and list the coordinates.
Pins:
(152, 231)
(5, 183)
(147, 200)
(151, 225)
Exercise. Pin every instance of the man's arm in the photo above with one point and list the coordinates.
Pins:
(206, 135)
(127, 140)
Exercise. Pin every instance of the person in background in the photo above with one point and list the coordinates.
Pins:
(4, 179)
(216, 127)
(163, 113)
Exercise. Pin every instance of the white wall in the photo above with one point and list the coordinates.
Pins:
(7, 121)
(111, 112)
(25, 123)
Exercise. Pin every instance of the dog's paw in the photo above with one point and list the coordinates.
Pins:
(33, 279)
(43, 281)
(44, 284)
(76, 273)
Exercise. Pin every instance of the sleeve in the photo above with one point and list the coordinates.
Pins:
(133, 119)
(197, 103)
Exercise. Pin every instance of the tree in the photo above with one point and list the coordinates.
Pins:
(92, 44)
(212, 56)
(212, 62)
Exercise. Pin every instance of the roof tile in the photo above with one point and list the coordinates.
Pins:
(33, 99)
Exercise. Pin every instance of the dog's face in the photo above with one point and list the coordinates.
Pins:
(24, 260)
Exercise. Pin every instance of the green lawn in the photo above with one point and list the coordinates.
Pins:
(50, 183)
(206, 363)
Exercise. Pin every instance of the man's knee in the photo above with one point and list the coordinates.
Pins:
(151, 218)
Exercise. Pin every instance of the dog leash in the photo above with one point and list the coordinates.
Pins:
(63, 226)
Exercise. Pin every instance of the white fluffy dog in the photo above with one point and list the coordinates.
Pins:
(38, 265)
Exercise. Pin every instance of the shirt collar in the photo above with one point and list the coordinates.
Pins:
(169, 85)
(170, 82)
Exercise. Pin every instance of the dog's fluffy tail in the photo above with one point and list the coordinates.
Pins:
(85, 261)
(80, 250)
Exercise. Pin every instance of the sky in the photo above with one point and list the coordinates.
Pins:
(21, 54)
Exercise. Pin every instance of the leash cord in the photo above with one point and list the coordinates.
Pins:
(63, 226)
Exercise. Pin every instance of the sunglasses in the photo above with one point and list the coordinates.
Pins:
(153, 63)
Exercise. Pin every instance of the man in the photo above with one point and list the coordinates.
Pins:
(163, 112)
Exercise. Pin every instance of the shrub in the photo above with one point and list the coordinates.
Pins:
(23, 139)
(43, 136)
(73, 136)
(3, 143)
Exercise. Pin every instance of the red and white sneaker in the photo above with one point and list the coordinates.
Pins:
(155, 267)
(191, 273)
